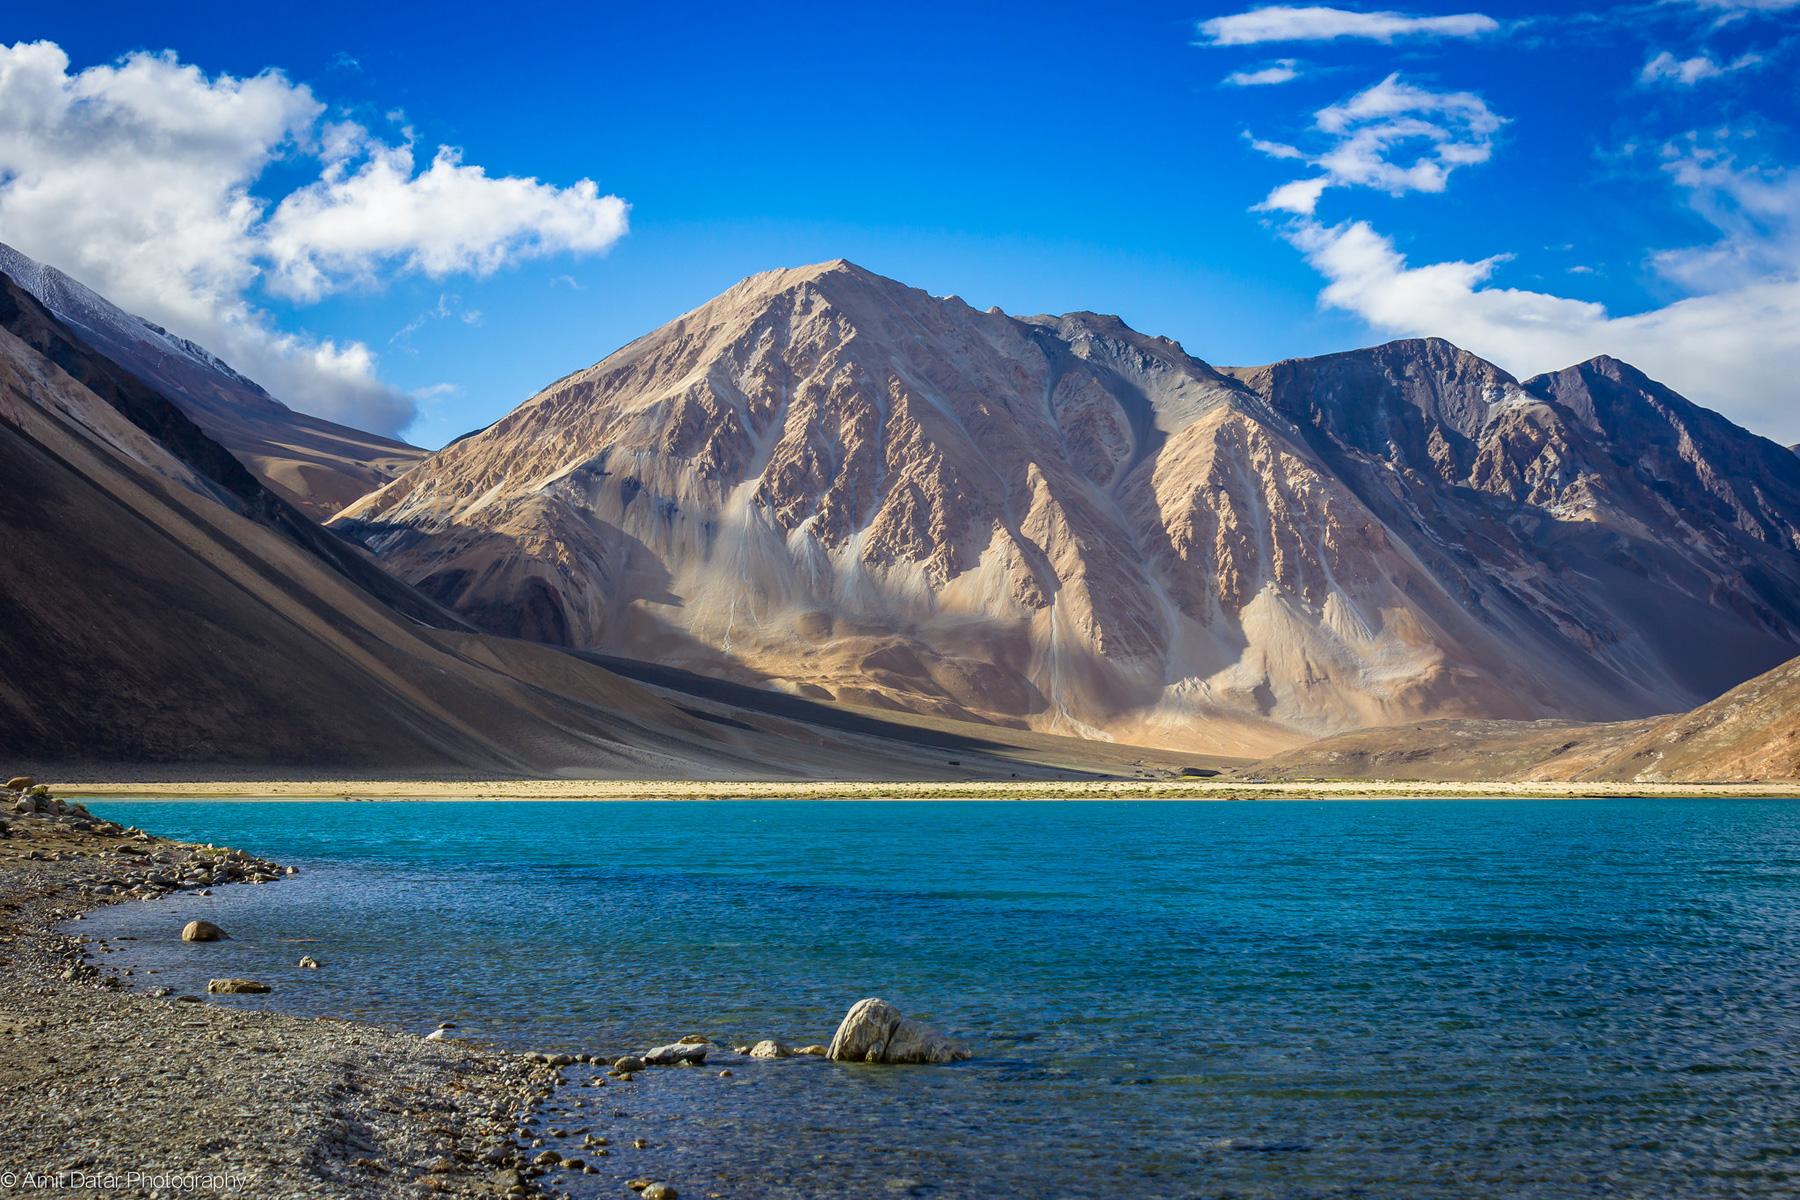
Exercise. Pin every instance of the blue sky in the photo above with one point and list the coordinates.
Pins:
(1538, 185)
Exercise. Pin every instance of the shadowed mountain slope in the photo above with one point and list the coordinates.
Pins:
(158, 605)
(316, 465)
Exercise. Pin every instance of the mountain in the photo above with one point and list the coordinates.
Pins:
(828, 482)
(1750, 734)
(158, 605)
(314, 464)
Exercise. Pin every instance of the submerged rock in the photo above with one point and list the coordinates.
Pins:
(877, 1032)
(769, 1048)
(309, 962)
(236, 987)
(202, 931)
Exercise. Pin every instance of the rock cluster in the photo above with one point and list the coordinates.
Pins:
(146, 867)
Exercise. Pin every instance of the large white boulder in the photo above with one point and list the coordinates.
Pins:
(875, 1031)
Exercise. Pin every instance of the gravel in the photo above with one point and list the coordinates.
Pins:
(171, 1095)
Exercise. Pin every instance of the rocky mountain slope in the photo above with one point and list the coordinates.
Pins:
(831, 482)
(1750, 734)
(158, 605)
(314, 464)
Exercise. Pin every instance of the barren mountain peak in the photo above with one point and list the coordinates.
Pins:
(831, 480)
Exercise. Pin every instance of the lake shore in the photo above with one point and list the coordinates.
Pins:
(121, 1093)
(249, 788)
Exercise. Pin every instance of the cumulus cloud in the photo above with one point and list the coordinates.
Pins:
(1734, 344)
(1318, 23)
(137, 178)
(1281, 71)
(371, 212)
(1394, 137)
(1666, 68)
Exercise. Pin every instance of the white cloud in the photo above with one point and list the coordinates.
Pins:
(1300, 197)
(1281, 71)
(1756, 210)
(448, 306)
(1394, 137)
(1750, 5)
(451, 218)
(1317, 23)
(137, 178)
(1736, 348)
(1666, 68)
(1274, 149)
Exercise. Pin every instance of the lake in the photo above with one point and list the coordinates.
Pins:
(1307, 999)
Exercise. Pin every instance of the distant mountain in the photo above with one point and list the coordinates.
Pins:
(1750, 734)
(314, 464)
(832, 483)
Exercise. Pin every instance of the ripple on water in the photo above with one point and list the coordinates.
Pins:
(1511, 999)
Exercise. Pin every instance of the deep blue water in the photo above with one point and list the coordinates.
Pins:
(1508, 999)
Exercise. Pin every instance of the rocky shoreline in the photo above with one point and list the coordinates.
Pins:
(114, 1092)
(153, 1093)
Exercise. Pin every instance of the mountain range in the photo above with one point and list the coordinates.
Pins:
(831, 483)
(830, 525)
(162, 608)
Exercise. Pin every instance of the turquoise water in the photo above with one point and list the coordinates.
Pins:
(1509, 999)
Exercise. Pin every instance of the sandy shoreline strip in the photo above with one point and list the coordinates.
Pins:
(679, 790)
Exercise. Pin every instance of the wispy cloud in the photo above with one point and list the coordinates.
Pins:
(1282, 71)
(448, 307)
(1395, 137)
(1686, 72)
(1274, 149)
(1748, 6)
(1318, 23)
